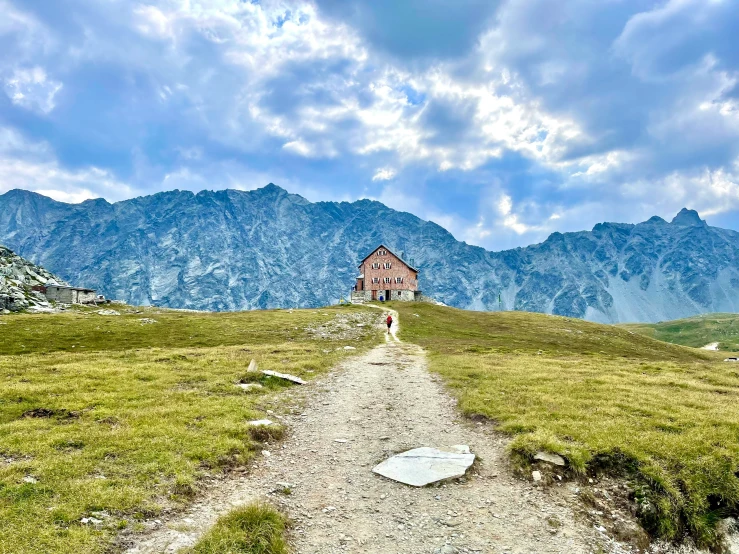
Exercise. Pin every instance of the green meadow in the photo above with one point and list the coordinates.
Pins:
(116, 419)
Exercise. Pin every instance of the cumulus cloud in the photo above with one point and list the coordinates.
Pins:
(507, 120)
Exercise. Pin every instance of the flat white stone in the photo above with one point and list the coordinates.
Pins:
(252, 367)
(285, 376)
(422, 466)
(555, 459)
(249, 386)
(259, 422)
(731, 360)
(536, 475)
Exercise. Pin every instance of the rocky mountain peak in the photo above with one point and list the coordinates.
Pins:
(688, 218)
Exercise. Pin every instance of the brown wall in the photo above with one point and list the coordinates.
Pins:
(398, 269)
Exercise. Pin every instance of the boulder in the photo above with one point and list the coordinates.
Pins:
(422, 466)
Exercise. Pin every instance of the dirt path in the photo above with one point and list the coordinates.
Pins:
(367, 409)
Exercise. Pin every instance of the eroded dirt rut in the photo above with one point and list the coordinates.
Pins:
(377, 405)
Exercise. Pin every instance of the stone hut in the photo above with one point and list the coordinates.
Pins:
(69, 295)
(384, 275)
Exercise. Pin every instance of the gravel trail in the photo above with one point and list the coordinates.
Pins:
(364, 411)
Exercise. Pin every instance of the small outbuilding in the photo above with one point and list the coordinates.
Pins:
(69, 295)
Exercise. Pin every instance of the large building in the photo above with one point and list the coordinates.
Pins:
(384, 275)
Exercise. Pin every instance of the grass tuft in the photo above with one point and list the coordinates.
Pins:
(254, 529)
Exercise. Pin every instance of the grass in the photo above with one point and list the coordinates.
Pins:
(126, 423)
(695, 331)
(666, 416)
(254, 529)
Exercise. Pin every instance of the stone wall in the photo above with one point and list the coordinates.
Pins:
(361, 296)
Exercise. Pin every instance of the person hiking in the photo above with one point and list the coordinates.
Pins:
(389, 322)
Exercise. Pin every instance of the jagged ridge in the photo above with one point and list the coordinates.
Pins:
(266, 248)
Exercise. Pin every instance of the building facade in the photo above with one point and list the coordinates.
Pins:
(70, 295)
(384, 275)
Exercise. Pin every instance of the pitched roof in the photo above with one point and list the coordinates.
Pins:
(393, 253)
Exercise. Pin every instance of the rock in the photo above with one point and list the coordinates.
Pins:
(422, 466)
(30, 479)
(555, 459)
(349, 348)
(90, 521)
(731, 360)
(253, 367)
(108, 312)
(536, 475)
(249, 386)
(147, 321)
(259, 422)
(285, 376)
(342, 441)
(446, 549)
(266, 453)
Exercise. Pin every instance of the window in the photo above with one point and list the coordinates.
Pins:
(387, 280)
(398, 280)
(376, 266)
(375, 279)
(382, 252)
(387, 265)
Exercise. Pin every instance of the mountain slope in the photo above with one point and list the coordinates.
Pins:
(266, 248)
(17, 279)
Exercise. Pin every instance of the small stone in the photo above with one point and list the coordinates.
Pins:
(266, 453)
(349, 348)
(260, 422)
(253, 367)
(30, 479)
(90, 521)
(249, 386)
(536, 475)
(342, 441)
(555, 459)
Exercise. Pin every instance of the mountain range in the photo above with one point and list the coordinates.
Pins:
(266, 248)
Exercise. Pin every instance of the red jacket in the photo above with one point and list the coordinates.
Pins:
(389, 320)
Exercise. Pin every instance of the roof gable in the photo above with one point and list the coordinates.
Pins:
(391, 252)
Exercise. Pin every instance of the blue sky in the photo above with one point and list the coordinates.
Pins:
(500, 120)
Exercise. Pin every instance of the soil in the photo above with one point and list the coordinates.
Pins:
(340, 427)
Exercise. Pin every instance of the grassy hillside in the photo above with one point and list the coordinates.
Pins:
(695, 331)
(600, 396)
(114, 418)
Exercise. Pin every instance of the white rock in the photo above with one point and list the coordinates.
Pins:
(536, 475)
(260, 422)
(421, 466)
(342, 441)
(731, 360)
(90, 521)
(285, 376)
(349, 348)
(108, 312)
(253, 367)
(555, 459)
(249, 386)
(266, 453)
(30, 479)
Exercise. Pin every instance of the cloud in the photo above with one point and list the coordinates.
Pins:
(505, 120)
(384, 174)
(32, 89)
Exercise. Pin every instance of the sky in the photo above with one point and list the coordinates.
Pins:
(502, 121)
